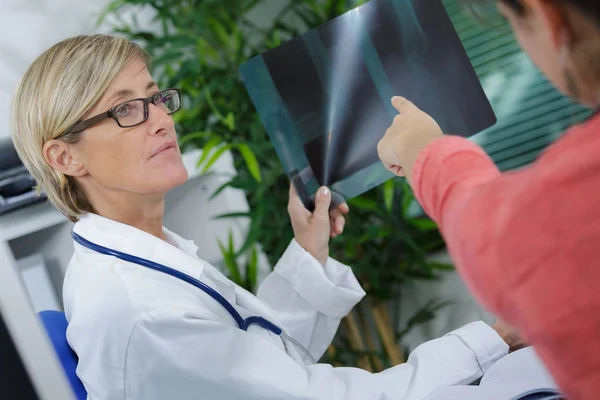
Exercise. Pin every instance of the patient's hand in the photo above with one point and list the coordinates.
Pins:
(312, 230)
(510, 336)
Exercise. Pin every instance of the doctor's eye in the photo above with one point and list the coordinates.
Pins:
(168, 100)
(124, 110)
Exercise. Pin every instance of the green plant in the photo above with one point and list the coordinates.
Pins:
(245, 276)
(198, 46)
(387, 248)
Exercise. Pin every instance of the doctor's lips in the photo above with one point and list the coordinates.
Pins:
(167, 146)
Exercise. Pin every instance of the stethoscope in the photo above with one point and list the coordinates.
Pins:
(541, 394)
(242, 323)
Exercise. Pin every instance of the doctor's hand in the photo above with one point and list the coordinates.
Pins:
(411, 131)
(510, 335)
(312, 230)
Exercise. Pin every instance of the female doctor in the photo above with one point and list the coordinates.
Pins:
(147, 318)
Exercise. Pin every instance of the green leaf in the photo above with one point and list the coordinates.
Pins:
(170, 55)
(424, 224)
(252, 270)
(231, 248)
(441, 266)
(229, 121)
(407, 197)
(215, 157)
(211, 144)
(233, 215)
(364, 203)
(333, 8)
(211, 104)
(207, 51)
(258, 214)
(374, 232)
(246, 185)
(423, 315)
(230, 260)
(251, 161)
(251, 4)
(388, 194)
(219, 190)
(218, 28)
(185, 115)
(192, 136)
(276, 41)
(309, 19)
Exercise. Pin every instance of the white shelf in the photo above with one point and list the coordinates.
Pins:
(28, 220)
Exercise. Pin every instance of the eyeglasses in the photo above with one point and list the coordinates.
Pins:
(134, 112)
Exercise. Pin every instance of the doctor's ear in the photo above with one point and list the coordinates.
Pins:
(59, 155)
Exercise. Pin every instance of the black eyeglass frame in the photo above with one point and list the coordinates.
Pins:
(83, 125)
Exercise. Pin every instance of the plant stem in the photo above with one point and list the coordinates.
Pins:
(357, 342)
(382, 322)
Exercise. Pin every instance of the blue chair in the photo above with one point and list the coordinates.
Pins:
(56, 326)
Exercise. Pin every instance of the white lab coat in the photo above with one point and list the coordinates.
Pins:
(141, 334)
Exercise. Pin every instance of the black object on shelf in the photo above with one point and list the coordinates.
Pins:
(17, 186)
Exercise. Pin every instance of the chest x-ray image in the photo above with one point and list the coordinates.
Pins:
(325, 97)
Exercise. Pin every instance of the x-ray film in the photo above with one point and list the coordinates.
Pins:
(325, 97)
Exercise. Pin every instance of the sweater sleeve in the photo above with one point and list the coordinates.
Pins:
(525, 242)
(451, 180)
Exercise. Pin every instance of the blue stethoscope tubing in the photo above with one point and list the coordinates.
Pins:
(243, 324)
(541, 394)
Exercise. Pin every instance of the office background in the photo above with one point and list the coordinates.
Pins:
(530, 115)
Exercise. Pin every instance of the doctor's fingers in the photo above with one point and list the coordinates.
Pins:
(322, 203)
(342, 208)
(296, 208)
(337, 221)
(337, 225)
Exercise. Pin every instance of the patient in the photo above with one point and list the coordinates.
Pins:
(97, 133)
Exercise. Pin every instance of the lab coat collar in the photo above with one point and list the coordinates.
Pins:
(177, 253)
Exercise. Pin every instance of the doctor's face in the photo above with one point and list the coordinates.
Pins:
(144, 159)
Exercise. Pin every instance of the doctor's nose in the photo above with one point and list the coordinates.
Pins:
(159, 122)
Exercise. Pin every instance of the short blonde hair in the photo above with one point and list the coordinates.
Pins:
(58, 90)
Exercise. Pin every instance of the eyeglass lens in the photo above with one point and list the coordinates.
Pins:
(133, 112)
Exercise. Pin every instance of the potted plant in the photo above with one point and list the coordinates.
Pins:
(198, 45)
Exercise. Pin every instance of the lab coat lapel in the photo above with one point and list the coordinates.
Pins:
(130, 240)
(217, 280)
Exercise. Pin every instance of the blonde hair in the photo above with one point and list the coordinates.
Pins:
(57, 91)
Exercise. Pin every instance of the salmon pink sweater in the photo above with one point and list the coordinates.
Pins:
(528, 243)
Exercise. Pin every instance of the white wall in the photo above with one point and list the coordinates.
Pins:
(27, 28)
(464, 308)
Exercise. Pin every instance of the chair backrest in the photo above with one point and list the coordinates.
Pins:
(56, 326)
